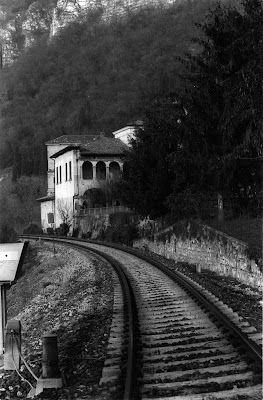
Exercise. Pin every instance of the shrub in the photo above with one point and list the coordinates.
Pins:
(63, 229)
(33, 228)
(86, 235)
(50, 231)
(7, 234)
(75, 232)
(124, 234)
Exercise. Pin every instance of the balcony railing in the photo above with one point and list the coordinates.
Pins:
(102, 210)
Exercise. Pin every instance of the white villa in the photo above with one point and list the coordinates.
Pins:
(77, 166)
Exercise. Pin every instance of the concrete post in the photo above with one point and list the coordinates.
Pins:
(3, 314)
(50, 367)
(198, 269)
(50, 371)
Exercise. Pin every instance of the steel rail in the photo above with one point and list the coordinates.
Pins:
(252, 348)
(128, 385)
(128, 296)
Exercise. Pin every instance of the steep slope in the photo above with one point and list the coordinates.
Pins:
(68, 294)
(66, 11)
(94, 76)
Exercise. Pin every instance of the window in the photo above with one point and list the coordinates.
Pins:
(60, 174)
(87, 170)
(101, 170)
(57, 174)
(114, 170)
(66, 171)
(70, 173)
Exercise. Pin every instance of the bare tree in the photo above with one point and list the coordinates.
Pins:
(65, 212)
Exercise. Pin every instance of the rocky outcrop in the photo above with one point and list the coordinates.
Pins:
(47, 18)
(68, 10)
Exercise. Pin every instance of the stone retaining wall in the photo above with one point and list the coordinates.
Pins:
(205, 247)
(92, 225)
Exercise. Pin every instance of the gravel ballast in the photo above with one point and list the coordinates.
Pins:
(243, 299)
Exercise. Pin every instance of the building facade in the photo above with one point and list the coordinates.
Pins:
(79, 168)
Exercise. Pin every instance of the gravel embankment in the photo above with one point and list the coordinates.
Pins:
(70, 295)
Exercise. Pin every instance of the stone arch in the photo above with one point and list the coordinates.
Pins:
(114, 169)
(101, 170)
(87, 170)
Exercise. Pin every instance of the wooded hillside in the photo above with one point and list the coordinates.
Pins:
(191, 71)
(94, 76)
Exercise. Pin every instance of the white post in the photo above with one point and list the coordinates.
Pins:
(2, 317)
(1, 326)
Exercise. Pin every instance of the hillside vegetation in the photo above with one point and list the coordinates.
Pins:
(200, 152)
(93, 76)
(18, 205)
(191, 71)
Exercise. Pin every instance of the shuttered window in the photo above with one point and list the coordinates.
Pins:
(70, 172)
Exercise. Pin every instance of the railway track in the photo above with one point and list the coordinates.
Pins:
(170, 339)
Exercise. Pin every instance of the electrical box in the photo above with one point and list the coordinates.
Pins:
(11, 259)
(12, 358)
(50, 218)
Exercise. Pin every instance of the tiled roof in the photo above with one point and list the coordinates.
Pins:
(104, 145)
(72, 139)
(95, 145)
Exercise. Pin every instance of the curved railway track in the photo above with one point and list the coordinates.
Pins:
(170, 339)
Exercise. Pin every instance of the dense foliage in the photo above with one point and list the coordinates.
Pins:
(213, 124)
(18, 205)
(94, 76)
(148, 176)
(200, 100)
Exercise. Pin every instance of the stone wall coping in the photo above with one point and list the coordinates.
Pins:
(226, 235)
(231, 238)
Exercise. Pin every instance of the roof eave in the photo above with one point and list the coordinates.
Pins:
(63, 151)
(46, 198)
(85, 153)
